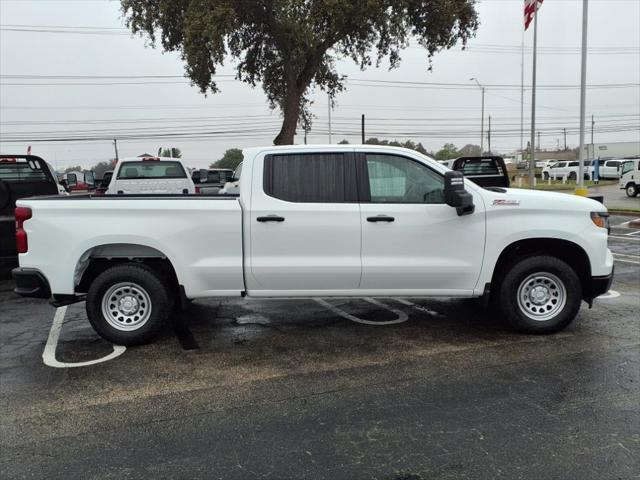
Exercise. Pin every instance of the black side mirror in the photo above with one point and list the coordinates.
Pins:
(455, 195)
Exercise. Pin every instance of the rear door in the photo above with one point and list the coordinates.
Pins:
(20, 177)
(304, 224)
(412, 242)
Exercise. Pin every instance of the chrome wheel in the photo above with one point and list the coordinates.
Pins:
(126, 306)
(541, 296)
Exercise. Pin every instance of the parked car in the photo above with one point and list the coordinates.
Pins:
(609, 168)
(150, 175)
(545, 163)
(630, 177)
(211, 181)
(103, 184)
(20, 176)
(570, 169)
(487, 171)
(318, 221)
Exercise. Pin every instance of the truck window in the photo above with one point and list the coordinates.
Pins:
(310, 178)
(395, 179)
(151, 169)
(21, 171)
(481, 167)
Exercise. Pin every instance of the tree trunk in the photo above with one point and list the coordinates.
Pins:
(291, 111)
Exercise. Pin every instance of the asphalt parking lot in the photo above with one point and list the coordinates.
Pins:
(273, 389)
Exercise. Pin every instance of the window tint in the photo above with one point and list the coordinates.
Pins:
(22, 172)
(573, 164)
(310, 177)
(151, 169)
(394, 179)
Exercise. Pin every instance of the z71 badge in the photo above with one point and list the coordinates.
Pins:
(506, 203)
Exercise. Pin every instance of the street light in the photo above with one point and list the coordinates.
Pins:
(482, 118)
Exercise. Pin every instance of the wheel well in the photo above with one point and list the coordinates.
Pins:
(98, 259)
(565, 250)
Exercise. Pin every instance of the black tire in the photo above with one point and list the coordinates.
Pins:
(573, 176)
(545, 176)
(531, 270)
(631, 190)
(147, 285)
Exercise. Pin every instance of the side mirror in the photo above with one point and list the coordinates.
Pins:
(90, 177)
(72, 180)
(455, 195)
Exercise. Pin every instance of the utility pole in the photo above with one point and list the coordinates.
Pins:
(329, 97)
(557, 144)
(305, 135)
(522, 98)
(565, 139)
(115, 146)
(481, 118)
(363, 128)
(593, 148)
(532, 159)
(580, 190)
(489, 135)
(539, 149)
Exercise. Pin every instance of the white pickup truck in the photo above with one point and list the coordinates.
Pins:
(317, 221)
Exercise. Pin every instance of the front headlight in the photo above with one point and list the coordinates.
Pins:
(601, 219)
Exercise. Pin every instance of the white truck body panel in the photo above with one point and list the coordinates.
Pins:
(149, 186)
(218, 248)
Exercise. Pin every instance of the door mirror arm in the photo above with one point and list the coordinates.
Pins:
(455, 194)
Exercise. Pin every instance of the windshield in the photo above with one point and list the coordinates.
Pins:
(151, 169)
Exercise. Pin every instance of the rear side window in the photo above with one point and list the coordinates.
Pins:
(21, 171)
(311, 177)
(151, 169)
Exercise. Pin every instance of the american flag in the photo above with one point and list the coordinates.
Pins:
(530, 9)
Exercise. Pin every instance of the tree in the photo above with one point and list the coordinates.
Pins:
(418, 147)
(101, 167)
(447, 152)
(170, 152)
(77, 168)
(231, 159)
(470, 150)
(290, 46)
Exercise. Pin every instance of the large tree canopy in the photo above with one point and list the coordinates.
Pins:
(291, 45)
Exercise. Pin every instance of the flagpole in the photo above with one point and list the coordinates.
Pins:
(532, 157)
(580, 190)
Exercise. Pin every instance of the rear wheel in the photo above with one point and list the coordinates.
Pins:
(539, 294)
(573, 176)
(631, 190)
(127, 304)
(545, 176)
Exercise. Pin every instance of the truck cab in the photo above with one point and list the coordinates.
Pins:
(150, 175)
(630, 177)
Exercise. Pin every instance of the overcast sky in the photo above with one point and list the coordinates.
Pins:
(432, 114)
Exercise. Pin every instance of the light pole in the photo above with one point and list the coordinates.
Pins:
(482, 118)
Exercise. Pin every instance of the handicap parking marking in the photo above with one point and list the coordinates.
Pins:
(49, 354)
(609, 295)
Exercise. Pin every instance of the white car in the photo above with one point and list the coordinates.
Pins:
(150, 175)
(318, 221)
(568, 169)
(609, 168)
(630, 177)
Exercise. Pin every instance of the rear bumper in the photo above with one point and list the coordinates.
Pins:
(30, 283)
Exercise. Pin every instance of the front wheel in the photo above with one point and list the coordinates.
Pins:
(631, 190)
(545, 176)
(539, 294)
(128, 303)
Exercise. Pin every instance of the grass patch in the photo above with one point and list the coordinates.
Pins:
(557, 185)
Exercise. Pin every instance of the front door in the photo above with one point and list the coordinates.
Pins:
(304, 225)
(412, 242)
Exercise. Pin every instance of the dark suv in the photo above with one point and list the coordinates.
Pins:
(20, 176)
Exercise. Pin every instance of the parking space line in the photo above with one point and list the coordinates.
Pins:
(418, 307)
(49, 353)
(401, 316)
(609, 295)
(622, 237)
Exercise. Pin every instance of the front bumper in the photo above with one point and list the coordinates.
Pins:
(600, 285)
(30, 283)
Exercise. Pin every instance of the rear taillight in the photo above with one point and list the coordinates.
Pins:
(198, 190)
(22, 215)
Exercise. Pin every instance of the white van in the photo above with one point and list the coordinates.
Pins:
(630, 177)
(150, 175)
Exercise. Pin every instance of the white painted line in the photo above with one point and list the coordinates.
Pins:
(609, 295)
(625, 261)
(633, 233)
(401, 316)
(634, 257)
(625, 238)
(49, 354)
(418, 307)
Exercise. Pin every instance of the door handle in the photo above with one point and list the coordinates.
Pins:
(270, 218)
(381, 218)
